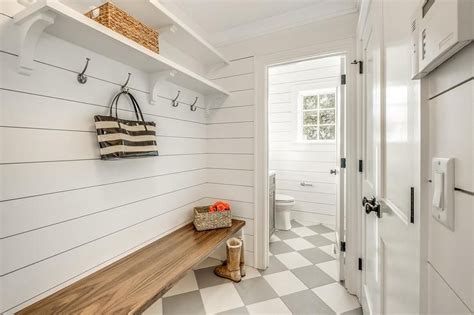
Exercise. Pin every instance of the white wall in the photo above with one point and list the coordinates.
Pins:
(64, 212)
(296, 161)
(239, 78)
(230, 145)
(451, 119)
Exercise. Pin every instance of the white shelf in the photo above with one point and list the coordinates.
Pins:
(173, 31)
(66, 23)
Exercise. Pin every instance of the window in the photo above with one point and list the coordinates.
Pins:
(317, 115)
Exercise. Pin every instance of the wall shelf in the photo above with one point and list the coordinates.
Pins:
(173, 30)
(66, 23)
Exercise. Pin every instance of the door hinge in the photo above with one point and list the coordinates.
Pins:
(361, 65)
(343, 79)
(343, 246)
(360, 264)
(361, 166)
(412, 204)
(343, 162)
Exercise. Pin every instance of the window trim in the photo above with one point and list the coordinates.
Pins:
(300, 112)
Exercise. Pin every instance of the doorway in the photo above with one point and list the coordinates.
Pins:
(306, 101)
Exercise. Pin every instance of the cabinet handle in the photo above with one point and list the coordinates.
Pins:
(306, 184)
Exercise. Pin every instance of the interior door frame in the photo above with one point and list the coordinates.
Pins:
(344, 47)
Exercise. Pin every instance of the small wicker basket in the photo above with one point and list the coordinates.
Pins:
(206, 220)
(121, 22)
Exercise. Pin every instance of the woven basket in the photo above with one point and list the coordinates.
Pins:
(121, 22)
(205, 220)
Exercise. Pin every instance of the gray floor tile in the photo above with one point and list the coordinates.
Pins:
(357, 311)
(274, 265)
(306, 302)
(295, 223)
(315, 255)
(183, 303)
(320, 228)
(286, 235)
(318, 240)
(235, 311)
(255, 290)
(280, 247)
(312, 276)
(206, 278)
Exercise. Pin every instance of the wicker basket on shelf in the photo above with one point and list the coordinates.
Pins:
(121, 22)
(204, 219)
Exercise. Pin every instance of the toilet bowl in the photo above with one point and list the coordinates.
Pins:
(284, 204)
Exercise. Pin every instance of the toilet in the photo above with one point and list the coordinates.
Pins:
(284, 204)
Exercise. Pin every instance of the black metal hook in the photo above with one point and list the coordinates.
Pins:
(124, 87)
(81, 77)
(174, 102)
(193, 105)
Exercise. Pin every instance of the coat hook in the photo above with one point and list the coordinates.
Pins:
(193, 105)
(174, 102)
(124, 87)
(81, 77)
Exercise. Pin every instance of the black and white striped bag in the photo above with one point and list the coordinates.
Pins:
(121, 138)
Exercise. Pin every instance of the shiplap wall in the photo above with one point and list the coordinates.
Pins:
(451, 253)
(64, 212)
(230, 144)
(297, 161)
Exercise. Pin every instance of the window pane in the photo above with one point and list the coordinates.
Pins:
(310, 118)
(327, 100)
(310, 102)
(327, 132)
(310, 133)
(327, 116)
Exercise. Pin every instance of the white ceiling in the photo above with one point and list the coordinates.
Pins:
(224, 21)
(220, 15)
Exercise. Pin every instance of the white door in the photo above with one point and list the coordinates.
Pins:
(340, 172)
(391, 126)
(371, 149)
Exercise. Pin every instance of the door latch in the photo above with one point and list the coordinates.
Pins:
(371, 205)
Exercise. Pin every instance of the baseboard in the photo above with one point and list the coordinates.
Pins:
(313, 217)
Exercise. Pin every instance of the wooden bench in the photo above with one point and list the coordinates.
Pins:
(133, 283)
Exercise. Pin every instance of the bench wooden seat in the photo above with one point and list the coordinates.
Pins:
(133, 283)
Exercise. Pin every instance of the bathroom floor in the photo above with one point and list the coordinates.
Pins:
(301, 279)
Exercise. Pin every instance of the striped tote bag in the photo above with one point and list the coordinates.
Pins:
(121, 138)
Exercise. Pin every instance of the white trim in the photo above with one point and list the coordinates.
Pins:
(346, 47)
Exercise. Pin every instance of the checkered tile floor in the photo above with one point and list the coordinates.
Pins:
(301, 279)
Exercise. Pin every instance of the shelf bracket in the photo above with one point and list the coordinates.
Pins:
(156, 80)
(30, 33)
(213, 101)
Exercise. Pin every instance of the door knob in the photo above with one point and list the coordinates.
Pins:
(333, 172)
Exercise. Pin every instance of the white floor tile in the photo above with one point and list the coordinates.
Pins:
(299, 243)
(270, 307)
(250, 273)
(293, 260)
(303, 231)
(285, 283)
(274, 238)
(330, 236)
(330, 267)
(208, 262)
(220, 298)
(187, 284)
(328, 249)
(336, 297)
(155, 309)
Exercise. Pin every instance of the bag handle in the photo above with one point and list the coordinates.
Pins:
(136, 107)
